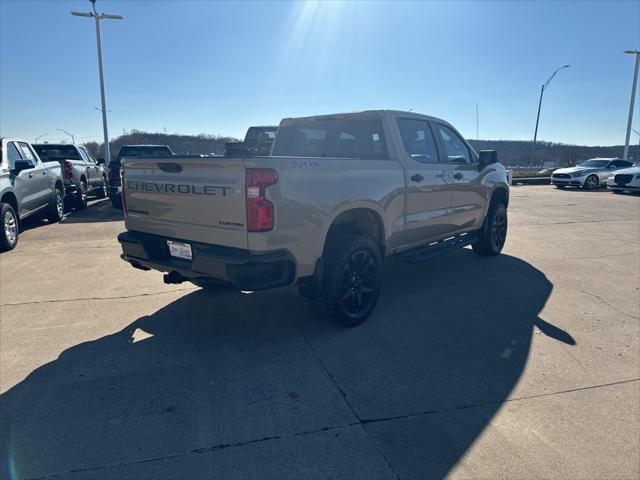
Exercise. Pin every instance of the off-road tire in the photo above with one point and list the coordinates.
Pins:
(351, 280)
(493, 233)
(55, 212)
(9, 233)
(116, 201)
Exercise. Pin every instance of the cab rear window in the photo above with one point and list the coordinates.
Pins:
(341, 138)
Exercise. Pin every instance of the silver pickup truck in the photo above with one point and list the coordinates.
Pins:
(338, 194)
(82, 174)
(27, 187)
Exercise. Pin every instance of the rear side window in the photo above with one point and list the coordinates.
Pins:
(454, 148)
(341, 138)
(621, 163)
(418, 140)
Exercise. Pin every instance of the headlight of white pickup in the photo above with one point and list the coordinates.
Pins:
(638, 177)
(610, 176)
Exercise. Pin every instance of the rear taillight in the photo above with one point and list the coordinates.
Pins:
(122, 194)
(68, 170)
(110, 175)
(259, 208)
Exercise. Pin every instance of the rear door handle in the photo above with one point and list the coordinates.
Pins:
(458, 176)
(417, 178)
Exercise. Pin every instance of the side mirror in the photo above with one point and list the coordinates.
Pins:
(100, 161)
(21, 165)
(487, 157)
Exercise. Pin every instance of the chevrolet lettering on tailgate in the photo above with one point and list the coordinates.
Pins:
(178, 188)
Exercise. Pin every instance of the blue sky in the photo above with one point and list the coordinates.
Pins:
(217, 67)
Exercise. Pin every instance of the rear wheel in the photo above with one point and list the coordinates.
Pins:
(351, 280)
(10, 227)
(81, 196)
(56, 210)
(591, 182)
(116, 201)
(494, 231)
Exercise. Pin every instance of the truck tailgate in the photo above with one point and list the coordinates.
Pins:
(192, 199)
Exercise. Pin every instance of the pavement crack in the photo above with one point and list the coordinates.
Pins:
(346, 400)
(485, 404)
(613, 307)
(82, 299)
(195, 451)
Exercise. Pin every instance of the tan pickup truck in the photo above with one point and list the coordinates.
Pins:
(338, 194)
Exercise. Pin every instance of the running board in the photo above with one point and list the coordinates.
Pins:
(425, 252)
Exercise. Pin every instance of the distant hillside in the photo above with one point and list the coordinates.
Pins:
(182, 144)
(515, 152)
(510, 152)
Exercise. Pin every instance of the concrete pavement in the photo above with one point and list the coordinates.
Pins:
(522, 366)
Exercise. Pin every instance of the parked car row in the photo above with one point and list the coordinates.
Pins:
(594, 173)
(28, 186)
(82, 173)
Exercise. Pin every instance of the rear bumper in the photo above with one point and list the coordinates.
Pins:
(228, 266)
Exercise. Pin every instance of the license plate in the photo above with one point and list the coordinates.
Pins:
(180, 250)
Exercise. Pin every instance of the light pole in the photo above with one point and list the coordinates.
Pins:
(542, 89)
(73, 139)
(625, 155)
(38, 138)
(97, 17)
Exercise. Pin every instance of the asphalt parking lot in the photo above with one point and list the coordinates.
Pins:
(522, 366)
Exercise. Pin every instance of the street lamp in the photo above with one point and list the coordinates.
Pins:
(38, 138)
(625, 155)
(544, 86)
(73, 139)
(97, 17)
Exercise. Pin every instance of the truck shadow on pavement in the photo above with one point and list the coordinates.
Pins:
(252, 386)
(99, 210)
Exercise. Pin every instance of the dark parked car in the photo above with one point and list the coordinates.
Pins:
(131, 151)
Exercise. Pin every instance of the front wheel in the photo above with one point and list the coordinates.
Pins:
(591, 182)
(561, 187)
(56, 211)
(493, 233)
(9, 234)
(351, 280)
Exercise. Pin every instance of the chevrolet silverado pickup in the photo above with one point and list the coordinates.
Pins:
(27, 186)
(338, 194)
(257, 142)
(83, 175)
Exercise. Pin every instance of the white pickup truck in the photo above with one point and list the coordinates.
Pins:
(338, 194)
